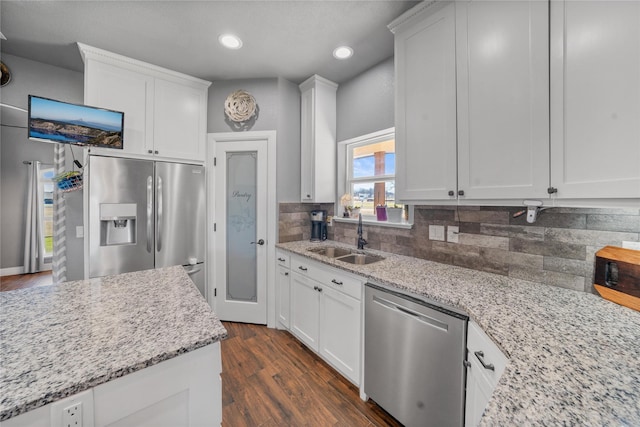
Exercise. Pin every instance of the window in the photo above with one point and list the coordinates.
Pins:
(368, 175)
(46, 173)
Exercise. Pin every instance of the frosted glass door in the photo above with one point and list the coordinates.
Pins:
(241, 226)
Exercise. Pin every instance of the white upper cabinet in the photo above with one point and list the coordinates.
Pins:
(472, 104)
(425, 104)
(318, 140)
(595, 99)
(116, 88)
(180, 125)
(503, 99)
(165, 112)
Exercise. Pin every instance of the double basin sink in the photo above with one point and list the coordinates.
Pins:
(350, 256)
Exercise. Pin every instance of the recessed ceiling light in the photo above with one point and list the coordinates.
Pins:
(343, 52)
(230, 41)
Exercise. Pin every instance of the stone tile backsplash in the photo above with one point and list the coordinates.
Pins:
(558, 249)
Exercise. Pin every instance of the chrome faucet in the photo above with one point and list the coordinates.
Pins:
(361, 242)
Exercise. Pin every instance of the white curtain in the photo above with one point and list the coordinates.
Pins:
(33, 238)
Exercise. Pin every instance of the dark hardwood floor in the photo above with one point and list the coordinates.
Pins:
(269, 378)
(22, 281)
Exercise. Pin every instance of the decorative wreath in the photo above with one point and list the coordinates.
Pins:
(240, 106)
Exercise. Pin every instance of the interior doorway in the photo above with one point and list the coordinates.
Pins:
(242, 222)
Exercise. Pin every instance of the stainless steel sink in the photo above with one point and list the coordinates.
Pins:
(331, 252)
(361, 259)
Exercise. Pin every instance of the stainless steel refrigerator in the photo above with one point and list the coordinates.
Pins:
(145, 214)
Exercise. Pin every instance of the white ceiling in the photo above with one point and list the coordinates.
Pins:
(290, 39)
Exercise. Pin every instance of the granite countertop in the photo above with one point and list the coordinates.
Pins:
(574, 358)
(58, 340)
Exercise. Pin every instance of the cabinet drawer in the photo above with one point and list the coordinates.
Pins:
(340, 281)
(328, 276)
(482, 348)
(283, 259)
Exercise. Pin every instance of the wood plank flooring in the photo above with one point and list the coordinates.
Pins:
(269, 378)
(22, 281)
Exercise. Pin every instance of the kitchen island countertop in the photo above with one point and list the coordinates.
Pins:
(573, 356)
(58, 340)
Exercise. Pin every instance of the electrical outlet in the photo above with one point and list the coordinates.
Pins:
(452, 233)
(436, 232)
(631, 245)
(72, 415)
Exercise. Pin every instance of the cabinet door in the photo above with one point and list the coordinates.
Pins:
(479, 392)
(503, 99)
(180, 121)
(115, 88)
(284, 289)
(307, 142)
(305, 309)
(426, 108)
(340, 322)
(595, 99)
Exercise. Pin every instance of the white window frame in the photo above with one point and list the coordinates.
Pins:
(345, 158)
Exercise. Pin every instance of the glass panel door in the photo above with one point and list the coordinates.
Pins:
(241, 226)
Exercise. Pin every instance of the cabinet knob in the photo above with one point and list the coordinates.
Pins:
(460, 192)
(308, 196)
(451, 193)
(156, 152)
(552, 190)
(150, 151)
(286, 273)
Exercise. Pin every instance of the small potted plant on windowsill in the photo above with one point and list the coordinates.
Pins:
(394, 213)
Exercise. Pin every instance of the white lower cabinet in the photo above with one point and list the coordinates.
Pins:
(283, 290)
(340, 332)
(485, 365)
(305, 310)
(326, 314)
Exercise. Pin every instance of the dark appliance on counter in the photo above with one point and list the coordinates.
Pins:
(617, 276)
(318, 225)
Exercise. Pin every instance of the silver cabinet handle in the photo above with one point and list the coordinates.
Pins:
(193, 270)
(302, 268)
(159, 215)
(336, 282)
(480, 357)
(149, 213)
(259, 242)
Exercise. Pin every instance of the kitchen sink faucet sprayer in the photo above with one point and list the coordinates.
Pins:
(361, 241)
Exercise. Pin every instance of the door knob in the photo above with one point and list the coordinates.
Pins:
(259, 242)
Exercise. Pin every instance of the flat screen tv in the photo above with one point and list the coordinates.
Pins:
(57, 121)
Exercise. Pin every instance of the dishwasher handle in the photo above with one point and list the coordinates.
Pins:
(421, 317)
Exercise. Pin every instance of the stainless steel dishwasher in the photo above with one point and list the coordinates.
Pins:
(414, 355)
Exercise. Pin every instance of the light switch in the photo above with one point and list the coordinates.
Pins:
(79, 231)
(436, 232)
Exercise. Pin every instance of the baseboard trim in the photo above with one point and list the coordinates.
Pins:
(12, 271)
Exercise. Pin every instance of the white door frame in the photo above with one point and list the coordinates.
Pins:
(272, 211)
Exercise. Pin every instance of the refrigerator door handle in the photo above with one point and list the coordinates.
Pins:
(149, 212)
(159, 216)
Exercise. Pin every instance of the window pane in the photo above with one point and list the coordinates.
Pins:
(363, 166)
(390, 163)
(364, 195)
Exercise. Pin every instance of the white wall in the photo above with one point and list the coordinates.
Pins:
(365, 103)
(279, 109)
(36, 78)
